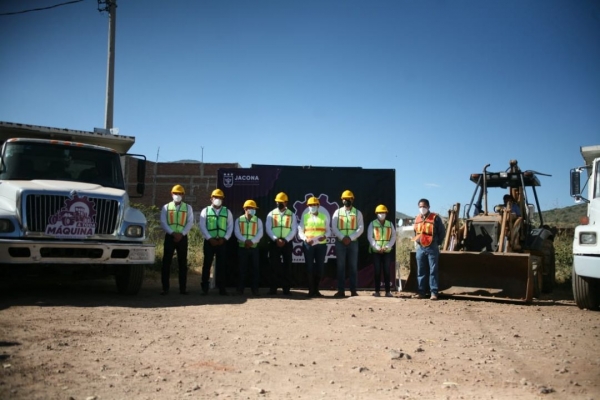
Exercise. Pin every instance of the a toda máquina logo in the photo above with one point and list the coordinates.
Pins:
(76, 219)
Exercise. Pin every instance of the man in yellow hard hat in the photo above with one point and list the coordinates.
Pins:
(347, 225)
(248, 230)
(216, 225)
(314, 230)
(176, 219)
(382, 237)
(281, 227)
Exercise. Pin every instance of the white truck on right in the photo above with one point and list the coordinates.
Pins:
(586, 248)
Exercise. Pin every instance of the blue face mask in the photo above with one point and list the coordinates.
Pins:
(252, 211)
(313, 209)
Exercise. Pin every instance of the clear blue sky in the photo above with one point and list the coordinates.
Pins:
(432, 89)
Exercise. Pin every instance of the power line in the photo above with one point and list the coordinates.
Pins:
(41, 9)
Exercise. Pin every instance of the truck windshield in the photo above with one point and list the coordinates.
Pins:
(41, 160)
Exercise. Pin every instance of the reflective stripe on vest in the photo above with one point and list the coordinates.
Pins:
(282, 222)
(248, 229)
(424, 228)
(347, 223)
(382, 233)
(177, 219)
(314, 227)
(216, 224)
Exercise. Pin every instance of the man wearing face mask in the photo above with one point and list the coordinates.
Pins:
(216, 225)
(248, 230)
(382, 237)
(430, 232)
(176, 219)
(347, 225)
(281, 227)
(314, 230)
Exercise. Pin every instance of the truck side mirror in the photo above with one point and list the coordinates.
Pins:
(141, 176)
(575, 183)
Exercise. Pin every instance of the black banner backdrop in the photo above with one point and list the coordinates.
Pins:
(261, 183)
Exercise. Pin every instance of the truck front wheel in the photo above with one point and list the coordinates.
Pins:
(129, 278)
(586, 291)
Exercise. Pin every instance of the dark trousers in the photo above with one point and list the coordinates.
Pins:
(248, 259)
(382, 261)
(211, 252)
(314, 257)
(169, 249)
(281, 266)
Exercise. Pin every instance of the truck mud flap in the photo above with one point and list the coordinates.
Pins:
(491, 276)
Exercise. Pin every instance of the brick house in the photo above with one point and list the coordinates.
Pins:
(199, 180)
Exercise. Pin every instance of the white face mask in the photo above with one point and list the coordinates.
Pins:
(423, 210)
(251, 211)
(177, 198)
(217, 202)
(381, 216)
(313, 209)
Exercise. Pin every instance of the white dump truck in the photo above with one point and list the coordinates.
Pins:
(586, 248)
(64, 205)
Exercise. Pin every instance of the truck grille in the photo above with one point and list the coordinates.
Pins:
(40, 207)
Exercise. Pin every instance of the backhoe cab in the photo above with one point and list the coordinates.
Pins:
(500, 252)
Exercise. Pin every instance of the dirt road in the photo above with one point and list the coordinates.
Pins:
(85, 342)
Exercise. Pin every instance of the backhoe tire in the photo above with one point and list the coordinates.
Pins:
(586, 291)
(549, 262)
(129, 278)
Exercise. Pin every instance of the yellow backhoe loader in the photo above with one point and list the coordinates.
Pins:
(497, 254)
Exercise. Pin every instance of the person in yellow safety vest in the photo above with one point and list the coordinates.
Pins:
(313, 230)
(176, 219)
(281, 227)
(347, 225)
(248, 229)
(382, 237)
(216, 225)
(430, 232)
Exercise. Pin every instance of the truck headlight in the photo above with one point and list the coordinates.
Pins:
(135, 231)
(6, 226)
(587, 238)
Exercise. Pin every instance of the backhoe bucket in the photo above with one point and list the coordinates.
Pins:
(492, 276)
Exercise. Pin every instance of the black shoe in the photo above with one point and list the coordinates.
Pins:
(310, 294)
(353, 293)
(184, 292)
(164, 293)
(318, 294)
(340, 294)
(204, 291)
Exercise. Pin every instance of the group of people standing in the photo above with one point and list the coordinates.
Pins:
(217, 225)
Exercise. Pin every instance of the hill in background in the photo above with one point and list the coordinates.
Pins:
(566, 216)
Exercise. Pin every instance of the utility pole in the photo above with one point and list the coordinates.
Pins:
(111, 7)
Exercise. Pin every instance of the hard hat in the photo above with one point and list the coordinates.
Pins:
(178, 189)
(250, 204)
(347, 195)
(381, 209)
(281, 197)
(217, 193)
(313, 201)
